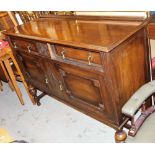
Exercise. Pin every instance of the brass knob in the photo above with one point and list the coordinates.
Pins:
(46, 80)
(14, 45)
(29, 48)
(63, 53)
(90, 57)
(60, 86)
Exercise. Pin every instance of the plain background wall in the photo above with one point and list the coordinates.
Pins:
(152, 47)
(113, 13)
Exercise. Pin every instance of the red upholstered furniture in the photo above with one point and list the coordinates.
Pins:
(6, 61)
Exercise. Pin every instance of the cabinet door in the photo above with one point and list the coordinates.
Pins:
(55, 82)
(82, 87)
(33, 70)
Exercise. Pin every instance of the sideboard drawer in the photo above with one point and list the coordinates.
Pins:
(24, 44)
(30, 46)
(85, 56)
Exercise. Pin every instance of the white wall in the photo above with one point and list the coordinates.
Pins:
(152, 47)
(112, 13)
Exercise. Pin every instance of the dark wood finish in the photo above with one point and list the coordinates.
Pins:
(151, 29)
(107, 34)
(91, 65)
(34, 92)
(120, 136)
(30, 46)
(32, 15)
(32, 67)
(74, 54)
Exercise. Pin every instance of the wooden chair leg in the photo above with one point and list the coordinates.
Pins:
(1, 86)
(7, 76)
(12, 77)
(22, 78)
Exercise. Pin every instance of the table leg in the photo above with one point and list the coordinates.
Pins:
(14, 82)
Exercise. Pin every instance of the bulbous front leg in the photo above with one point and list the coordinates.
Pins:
(120, 136)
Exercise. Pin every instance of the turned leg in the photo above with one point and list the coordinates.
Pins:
(120, 136)
(33, 92)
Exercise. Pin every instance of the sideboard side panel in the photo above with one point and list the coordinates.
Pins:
(126, 69)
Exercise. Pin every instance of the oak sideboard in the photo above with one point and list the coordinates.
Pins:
(93, 64)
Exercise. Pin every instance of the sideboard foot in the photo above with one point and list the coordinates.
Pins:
(120, 136)
(38, 103)
(33, 92)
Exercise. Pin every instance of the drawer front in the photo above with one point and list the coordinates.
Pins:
(84, 56)
(30, 46)
(24, 44)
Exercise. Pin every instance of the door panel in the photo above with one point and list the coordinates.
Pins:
(55, 83)
(33, 70)
(82, 87)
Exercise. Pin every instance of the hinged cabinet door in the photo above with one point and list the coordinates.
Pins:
(56, 85)
(82, 87)
(33, 70)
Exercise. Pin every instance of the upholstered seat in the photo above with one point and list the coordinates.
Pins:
(142, 128)
(146, 133)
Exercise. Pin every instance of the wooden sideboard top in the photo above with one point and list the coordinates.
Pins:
(93, 34)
